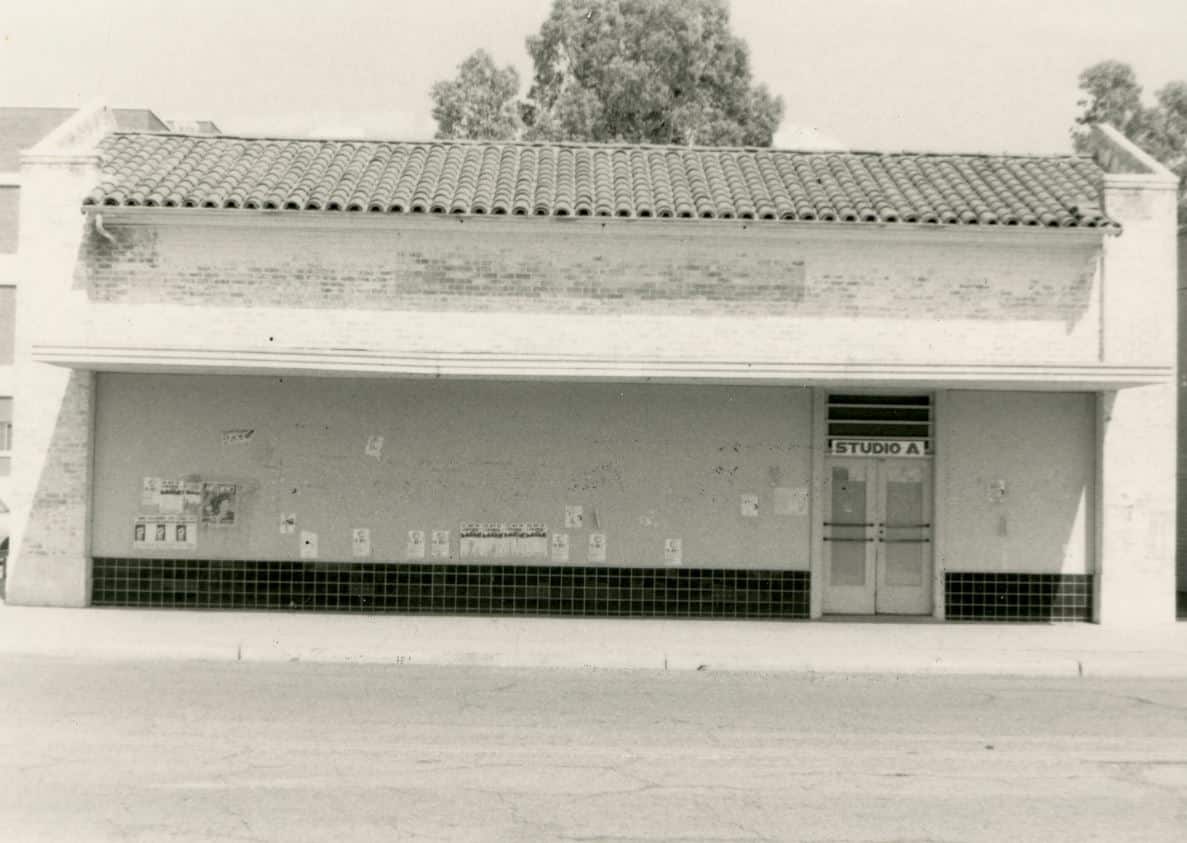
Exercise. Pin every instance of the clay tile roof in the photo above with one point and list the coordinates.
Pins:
(597, 180)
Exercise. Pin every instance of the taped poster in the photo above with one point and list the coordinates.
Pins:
(308, 544)
(440, 547)
(560, 547)
(150, 488)
(288, 523)
(574, 516)
(533, 541)
(597, 547)
(219, 504)
(238, 436)
(164, 533)
(360, 542)
(469, 537)
(749, 506)
(673, 551)
(180, 497)
(791, 500)
(414, 548)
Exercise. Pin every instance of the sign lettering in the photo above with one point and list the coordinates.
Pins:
(879, 447)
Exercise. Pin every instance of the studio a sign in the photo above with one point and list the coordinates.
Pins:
(879, 447)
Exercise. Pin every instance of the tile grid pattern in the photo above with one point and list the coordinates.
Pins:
(1017, 597)
(452, 177)
(450, 589)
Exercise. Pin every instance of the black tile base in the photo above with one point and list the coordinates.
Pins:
(1017, 597)
(450, 589)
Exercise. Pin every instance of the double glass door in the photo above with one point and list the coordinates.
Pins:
(877, 536)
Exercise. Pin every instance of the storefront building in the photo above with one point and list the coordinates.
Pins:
(470, 378)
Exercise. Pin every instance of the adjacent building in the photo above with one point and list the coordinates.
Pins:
(597, 380)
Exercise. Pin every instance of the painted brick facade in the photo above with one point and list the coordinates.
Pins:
(543, 266)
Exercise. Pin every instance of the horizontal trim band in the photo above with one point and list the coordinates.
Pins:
(359, 362)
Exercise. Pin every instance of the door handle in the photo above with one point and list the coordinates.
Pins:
(900, 526)
(828, 539)
(905, 541)
(848, 524)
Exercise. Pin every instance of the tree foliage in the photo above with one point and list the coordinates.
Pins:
(636, 71)
(479, 102)
(1111, 94)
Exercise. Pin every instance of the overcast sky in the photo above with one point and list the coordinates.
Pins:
(872, 74)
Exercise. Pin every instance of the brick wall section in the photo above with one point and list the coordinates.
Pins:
(58, 522)
(543, 268)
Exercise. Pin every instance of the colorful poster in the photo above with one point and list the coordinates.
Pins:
(219, 504)
(749, 505)
(415, 546)
(574, 516)
(360, 542)
(308, 544)
(440, 548)
(560, 547)
(673, 551)
(597, 547)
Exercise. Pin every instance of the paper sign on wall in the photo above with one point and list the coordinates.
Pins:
(673, 551)
(374, 447)
(560, 547)
(288, 523)
(219, 504)
(164, 533)
(749, 505)
(440, 548)
(414, 548)
(360, 541)
(597, 547)
(150, 487)
(791, 501)
(574, 516)
(308, 544)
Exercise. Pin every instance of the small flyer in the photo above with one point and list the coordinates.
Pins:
(415, 546)
(749, 505)
(673, 552)
(288, 523)
(219, 502)
(150, 487)
(560, 547)
(533, 541)
(308, 544)
(440, 548)
(597, 547)
(374, 447)
(360, 541)
(469, 539)
(574, 516)
(791, 500)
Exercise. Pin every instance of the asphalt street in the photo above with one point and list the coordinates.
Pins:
(197, 751)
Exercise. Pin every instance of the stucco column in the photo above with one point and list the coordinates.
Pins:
(1136, 491)
(53, 406)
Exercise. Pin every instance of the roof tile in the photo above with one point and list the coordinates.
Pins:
(461, 177)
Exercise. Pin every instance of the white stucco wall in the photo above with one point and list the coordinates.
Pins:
(1041, 446)
(645, 462)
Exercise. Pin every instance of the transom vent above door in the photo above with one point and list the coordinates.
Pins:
(879, 416)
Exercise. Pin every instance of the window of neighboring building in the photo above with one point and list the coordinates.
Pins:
(10, 218)
(7, 323)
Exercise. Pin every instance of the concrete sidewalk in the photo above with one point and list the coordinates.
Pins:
(826, 647)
